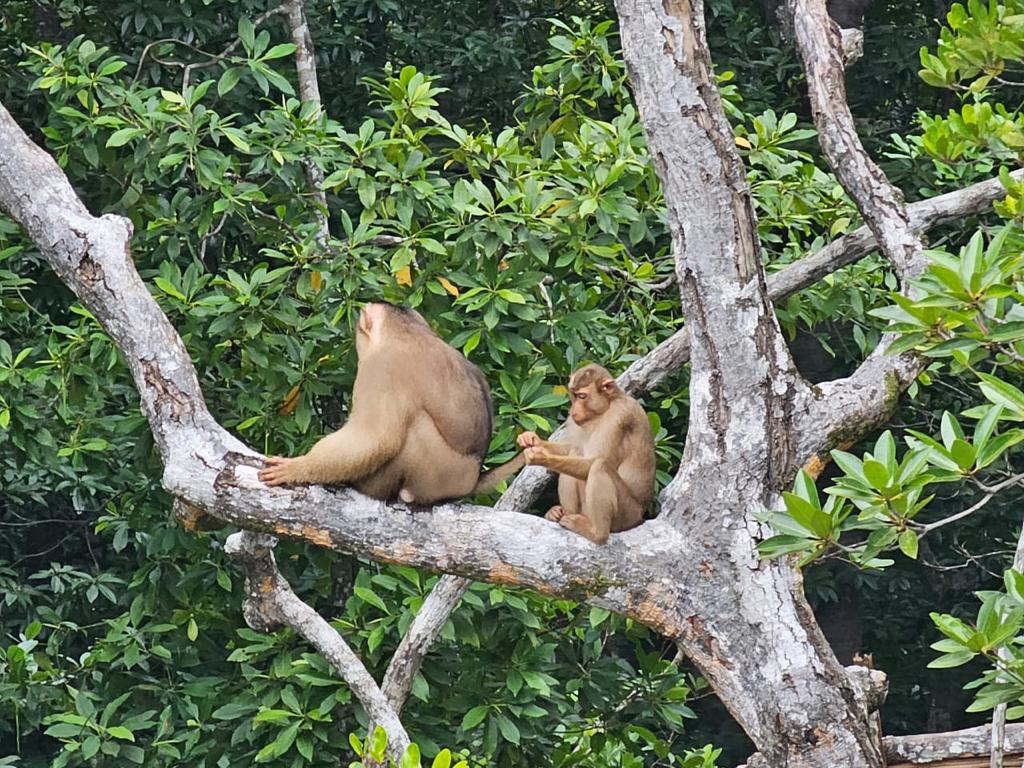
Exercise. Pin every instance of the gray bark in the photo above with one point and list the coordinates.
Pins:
(753, 631)
(930, 748)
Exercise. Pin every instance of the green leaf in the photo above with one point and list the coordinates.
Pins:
(369, 596)
(962, 453)
(290, 700)
(123, 136)
(850, 464)
(411, 757)
(876, 473)
(508, 729)
(805, 488)
(1001, 393)
(474, 717)
(65, 730)
(229, 80)
(950, 429)
(120, 732)
(247, 32)
(986, 426)
(273, 715)
(948, 660)
(996, 447)
(233, 710)
(279, 51)
(908, 543)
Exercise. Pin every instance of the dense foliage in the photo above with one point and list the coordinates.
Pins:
(531, 247)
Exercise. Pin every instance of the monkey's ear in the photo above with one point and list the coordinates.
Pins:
(607, 386)
(366, 319)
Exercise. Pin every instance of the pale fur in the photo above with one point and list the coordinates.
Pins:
(420, 420)
(605, 462)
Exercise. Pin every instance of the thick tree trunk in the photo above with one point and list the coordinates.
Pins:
(745, 623)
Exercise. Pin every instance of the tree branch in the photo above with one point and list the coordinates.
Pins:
(840, 411)
(270, 602)
(925, 748)
(878, 201)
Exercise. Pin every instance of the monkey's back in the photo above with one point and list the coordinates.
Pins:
(446, 418)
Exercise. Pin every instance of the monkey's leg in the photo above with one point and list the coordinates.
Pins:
(606, 505)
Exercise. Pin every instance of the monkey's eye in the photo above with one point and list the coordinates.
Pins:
(581, 396)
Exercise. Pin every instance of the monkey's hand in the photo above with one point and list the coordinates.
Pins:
(536, 456)
(281, 471)
(528, 440)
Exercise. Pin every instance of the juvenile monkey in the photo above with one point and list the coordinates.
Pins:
(605, 462)
(420, 421)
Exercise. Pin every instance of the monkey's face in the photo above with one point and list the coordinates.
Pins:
(588, 403)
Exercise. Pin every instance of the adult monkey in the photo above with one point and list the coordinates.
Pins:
(420, 422)
(605, 462)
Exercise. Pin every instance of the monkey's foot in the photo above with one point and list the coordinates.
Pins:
(278, 471)
(406, 495)
(555, 514)
(582, 525)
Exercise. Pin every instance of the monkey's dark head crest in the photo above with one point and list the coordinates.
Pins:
(587, 375)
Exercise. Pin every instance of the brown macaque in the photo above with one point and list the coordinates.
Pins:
(420, 421)
(605, 462)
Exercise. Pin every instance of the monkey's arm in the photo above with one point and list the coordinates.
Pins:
(574, 466)
(349, 454)
(531, 440)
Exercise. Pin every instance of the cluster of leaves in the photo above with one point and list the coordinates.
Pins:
(979, 49)
(888, 493)
(485, 52)
(967, 316)
(995, 636)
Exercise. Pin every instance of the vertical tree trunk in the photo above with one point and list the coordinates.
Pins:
(746, 623)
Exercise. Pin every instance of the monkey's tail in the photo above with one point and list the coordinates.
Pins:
(490, 480)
